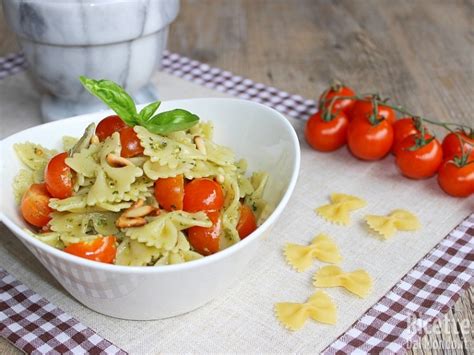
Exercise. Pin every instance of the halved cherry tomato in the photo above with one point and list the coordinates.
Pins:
(131, 146)
(364, 108)
(102, 249)
(422, 162)
(452, 145)
(324, 135)
(369, 141)
(344, 105)
(169, 192)
(34, 205)
(457, 181)
(109, 125)
(58, 177)
(206, 240)
(203, 195)
(402, 128)
(247, 222)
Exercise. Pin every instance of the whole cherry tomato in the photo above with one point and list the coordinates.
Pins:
(247, 222)
(456, 180)
(325, 135)
(417, 158)
(364, 109)
(169, 192)
(452, 145)
(205, 241)
(345, 105)
(58, 177)
(34, 205)
(402, 128)
(102, 249)
(130, 142)
(109, 125)
(203, 195)
(369, 141)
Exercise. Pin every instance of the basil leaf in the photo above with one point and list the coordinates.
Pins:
(148, 111)
(114, 96)
(171, 121)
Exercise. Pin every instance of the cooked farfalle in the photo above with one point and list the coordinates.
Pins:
(133, 253)
(319, 307)
(338, 211)
(52, 238)
(76, 227)
(33, 155)
(155, 170)
(165, 150)
(86, 162)
(322, 248)
(255, 200)
(162, 231)
(69, 143)
(358, 282)
(22, 182)
(397, 220)
(72, 203)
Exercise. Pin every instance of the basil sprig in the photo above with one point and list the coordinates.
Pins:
(115, 97)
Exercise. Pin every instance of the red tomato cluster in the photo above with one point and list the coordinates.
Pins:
(174, 193)
(371, 130)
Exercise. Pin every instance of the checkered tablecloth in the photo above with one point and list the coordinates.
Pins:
(398, 319)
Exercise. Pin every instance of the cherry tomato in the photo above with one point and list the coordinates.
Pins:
(420, 163)
(58, 177)
(34, 205)
(324, 135)
(402, 128)
(364, 109)
(169, 193)
(247, 222)
(102, 249)
(131, 146)
(452, 146)
(456, 181)
(205, 241)
(344, 105)
(203, 195)
(367, 141)
(109, 125)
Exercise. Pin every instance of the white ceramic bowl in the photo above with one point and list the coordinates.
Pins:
(255, 132)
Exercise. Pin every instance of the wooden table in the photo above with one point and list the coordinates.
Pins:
(420, 53)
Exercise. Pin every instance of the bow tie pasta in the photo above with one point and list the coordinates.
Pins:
(135, 190)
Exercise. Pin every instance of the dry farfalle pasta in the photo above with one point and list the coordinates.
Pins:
(387, 226)
(358, 282)
(319, 307)
(301, 256)
(338, 211)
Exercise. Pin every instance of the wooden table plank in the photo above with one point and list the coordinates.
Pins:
(420, 53)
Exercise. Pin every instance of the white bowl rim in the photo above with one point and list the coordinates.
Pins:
(173, 267)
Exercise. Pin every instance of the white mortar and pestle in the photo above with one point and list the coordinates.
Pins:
(119, 40)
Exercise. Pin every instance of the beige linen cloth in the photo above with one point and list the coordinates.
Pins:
(242, 319)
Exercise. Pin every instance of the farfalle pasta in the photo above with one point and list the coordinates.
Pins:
(397, 220)
(322, 248)
(338, 211)
(318, 307)
(358, 282)
(105, 190)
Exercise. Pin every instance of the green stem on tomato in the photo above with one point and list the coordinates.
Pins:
(405, 112)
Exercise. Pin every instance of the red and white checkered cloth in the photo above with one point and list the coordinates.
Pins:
(36, 326)
(392, 324)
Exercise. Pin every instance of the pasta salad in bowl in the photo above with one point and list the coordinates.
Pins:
(147, 206)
